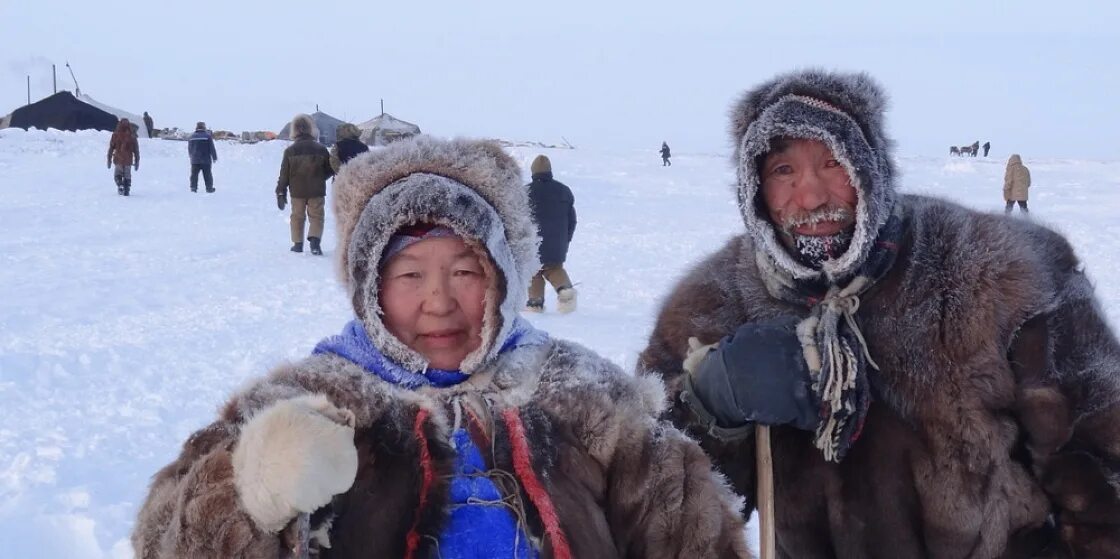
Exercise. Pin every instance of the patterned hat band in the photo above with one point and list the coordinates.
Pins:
(411, 234)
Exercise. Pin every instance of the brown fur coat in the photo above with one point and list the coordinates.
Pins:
(123, 147)
(623, 483)
(995, 429)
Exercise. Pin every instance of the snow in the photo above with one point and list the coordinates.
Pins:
(125, 322)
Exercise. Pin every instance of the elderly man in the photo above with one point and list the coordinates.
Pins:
(939, 382)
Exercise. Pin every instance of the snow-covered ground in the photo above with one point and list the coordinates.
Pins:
(125, 322)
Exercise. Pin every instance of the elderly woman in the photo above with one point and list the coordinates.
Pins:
(440, 423)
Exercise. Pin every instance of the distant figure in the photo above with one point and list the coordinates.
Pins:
(974, 148)
(987, 146)
(305, 169)
(954, 150)
(1016, 182)
(347, 146)
(200, 146)
(554, 211)
(123, 156)
(665, 155)
(149, 125)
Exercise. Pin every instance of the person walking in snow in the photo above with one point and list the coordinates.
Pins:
(440, 423)
(665, 155)
(1016, 183)
(123, 156)
(554, 211)
(348, 145)
(304, 170)
(939, 382)
(200, 148)
(987, 146)
(149, 125)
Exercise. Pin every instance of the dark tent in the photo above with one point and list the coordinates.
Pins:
(62, 111)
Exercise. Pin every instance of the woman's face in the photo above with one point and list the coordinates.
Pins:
(434, 297)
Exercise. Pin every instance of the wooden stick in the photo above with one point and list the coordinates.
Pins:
(764, 492)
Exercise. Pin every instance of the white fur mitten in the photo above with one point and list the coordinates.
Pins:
(697, 351)
(292, 457)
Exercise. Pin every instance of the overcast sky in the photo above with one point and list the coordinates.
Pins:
(1042, 80)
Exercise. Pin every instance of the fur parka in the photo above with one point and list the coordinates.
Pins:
(994, 426)
(577, 445)
(1016, 180)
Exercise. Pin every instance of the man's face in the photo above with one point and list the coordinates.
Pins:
(810, 198)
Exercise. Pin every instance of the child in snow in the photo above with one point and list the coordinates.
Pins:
(440, 423)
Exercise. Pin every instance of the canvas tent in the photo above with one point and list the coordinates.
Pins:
(62, 111)
(141, 130)
(326, 124)
(379, 131)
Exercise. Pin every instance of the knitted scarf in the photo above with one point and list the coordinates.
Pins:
(831, 341)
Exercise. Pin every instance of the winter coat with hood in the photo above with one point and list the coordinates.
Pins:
(554, 211)
(597, 474)
(994, 428)
(124, 149)
(348, 145)
(1016, 180)
(307, 164)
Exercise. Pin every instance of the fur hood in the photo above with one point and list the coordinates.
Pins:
(474, 188)
(347, 131)
(304, 125)
(845, 112)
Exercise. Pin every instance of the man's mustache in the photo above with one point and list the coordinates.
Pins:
(814, 217)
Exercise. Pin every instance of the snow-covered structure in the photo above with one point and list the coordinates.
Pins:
(381, 130)
(133, 118)
(61, 111)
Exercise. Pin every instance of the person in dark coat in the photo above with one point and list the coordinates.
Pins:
(938, 381)
(986, 146)
(149, 125)
(304, 170)
(202, 152)
(665, 155)
(348, 145)
(554, 211)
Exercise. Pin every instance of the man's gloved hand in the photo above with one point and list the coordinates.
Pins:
(136, 166)
(292, 457)
(281, 200)
(758, 375)
(108, 163)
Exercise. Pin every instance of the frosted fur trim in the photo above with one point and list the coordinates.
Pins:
(472, 187)
(303, 124)
(844, 111)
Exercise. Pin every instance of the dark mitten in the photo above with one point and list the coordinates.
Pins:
(758, 375)
(281, 200)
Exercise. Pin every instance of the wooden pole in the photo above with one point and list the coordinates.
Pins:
(764, 462)
(28, 90)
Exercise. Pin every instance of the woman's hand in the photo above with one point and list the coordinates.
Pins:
(292, 457)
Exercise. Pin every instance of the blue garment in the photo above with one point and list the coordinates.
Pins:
(480, 524)
(200, 146)
(354, 344)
